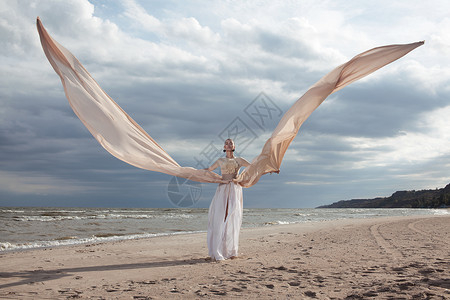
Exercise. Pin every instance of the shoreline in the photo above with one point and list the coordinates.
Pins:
(9, 246)
(99, 240)
(374, 257)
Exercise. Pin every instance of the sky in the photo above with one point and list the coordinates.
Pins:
(192, 72)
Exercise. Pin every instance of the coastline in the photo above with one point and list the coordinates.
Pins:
(377, 257)
(33, 228)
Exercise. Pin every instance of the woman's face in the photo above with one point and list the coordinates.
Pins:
(229, 145)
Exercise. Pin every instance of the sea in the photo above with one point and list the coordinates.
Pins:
(23, 228)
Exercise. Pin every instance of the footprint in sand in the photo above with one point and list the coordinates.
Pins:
(311, 294)
(217, 292)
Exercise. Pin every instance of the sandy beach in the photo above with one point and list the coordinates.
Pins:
(381, 258)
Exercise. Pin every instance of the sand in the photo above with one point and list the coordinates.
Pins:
(380, 258)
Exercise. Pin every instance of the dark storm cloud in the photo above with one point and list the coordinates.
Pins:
(374, 109)
(179, 109)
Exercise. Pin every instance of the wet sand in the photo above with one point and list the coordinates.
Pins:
(380, 258)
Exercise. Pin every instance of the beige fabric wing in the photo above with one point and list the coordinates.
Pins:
(358, 67)
(121, 136)
(112, 127)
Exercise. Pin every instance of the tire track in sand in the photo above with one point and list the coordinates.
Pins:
(388, 247)
(413, 227)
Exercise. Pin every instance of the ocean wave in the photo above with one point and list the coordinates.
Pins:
(11, 211)
(59, 217)
(304, 214)
(279, 223)
(441, 211)
(44, 218)
(65, 238)
(41, 211)
(71, 241)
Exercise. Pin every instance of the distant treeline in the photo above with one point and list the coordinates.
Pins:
(437, 198)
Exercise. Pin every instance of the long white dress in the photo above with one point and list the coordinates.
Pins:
(225, 214)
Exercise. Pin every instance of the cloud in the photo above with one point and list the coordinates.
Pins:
(142, 19)
(37, 184)
(184, 71)
(411, 147)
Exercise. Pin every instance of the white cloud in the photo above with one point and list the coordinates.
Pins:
(190, 30)
(407, 147)
(186, 29)
(139, 15)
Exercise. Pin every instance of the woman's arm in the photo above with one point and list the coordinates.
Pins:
(243, 162)
(213, 166)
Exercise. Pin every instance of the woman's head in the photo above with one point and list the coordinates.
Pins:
(228, 145)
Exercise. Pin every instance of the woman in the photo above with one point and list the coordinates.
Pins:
(225, 211)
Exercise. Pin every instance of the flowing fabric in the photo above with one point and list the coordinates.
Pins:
(111, 126)
(121, 136)
(223, 232)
